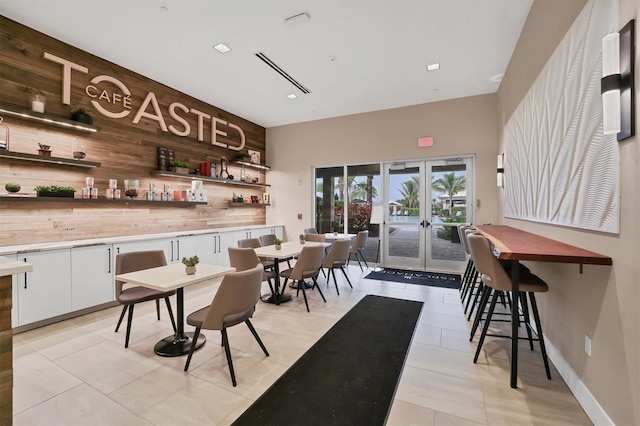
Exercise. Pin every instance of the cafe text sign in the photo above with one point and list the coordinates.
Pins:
(104, 89)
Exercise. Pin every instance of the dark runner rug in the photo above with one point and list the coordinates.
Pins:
(434, 279)
(349, 376)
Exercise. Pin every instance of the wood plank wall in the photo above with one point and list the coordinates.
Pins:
(125, 150)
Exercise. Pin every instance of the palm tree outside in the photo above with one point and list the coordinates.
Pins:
(450, 184)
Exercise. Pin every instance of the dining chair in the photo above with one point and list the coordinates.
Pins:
(130, 296)
(310, 231)
(314, 237)
(255, 243)
(246, 258)
(337, 259)
(494, 276)
(234, 303)
(357, 248)
(307, 266)
(269, 240)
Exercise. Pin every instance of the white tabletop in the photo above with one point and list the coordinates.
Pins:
(331, 236)
(288, 249)
(13, 266)
(171, 277)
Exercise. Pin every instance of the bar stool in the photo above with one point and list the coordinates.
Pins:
(495, 277)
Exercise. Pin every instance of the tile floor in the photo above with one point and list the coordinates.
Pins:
(77, 372)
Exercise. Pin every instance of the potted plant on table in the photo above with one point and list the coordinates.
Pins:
(190, 263)
(278, 243)
(180, 166)
(55, 191)
(302, 239)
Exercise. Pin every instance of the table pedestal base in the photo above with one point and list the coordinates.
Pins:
(268, 298)
(175, 346)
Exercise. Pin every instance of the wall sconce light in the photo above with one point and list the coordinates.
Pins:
(618, 96)
(501, 170)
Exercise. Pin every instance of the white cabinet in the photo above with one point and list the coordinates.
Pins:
(208, 248)
(46, 291)
(182, 247)
(14, 295)
(143, 245)
(91, 276)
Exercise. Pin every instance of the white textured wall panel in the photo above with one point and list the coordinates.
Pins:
(559, 166)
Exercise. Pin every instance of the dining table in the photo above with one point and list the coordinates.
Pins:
(287, 250)
(515, 245)
(174, 277)
(332, 236)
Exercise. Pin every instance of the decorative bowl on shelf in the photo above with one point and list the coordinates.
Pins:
(131, 188)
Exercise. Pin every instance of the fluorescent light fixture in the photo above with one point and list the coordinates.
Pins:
(292, 96)
(222, 48)
(433, 67)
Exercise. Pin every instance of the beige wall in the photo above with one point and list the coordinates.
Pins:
(459, 127)
(603, 301)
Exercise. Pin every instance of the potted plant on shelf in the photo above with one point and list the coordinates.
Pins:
(190, 263)
(278, 243)
(302, 238)
(243, 156)
(55, 191)
(179, 166)
(44, 150)
(82, 115)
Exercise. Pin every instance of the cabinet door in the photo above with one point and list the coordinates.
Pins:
(207, 247)
(46, 291)
(227, 239)
(14, 295)
(91, 276)
(158, 244)
(182, 247)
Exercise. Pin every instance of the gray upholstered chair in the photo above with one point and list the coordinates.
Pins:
(314, 237)
(268, 240)
(234, 303)
(337, 259)
(495, 277)
(310, 231)
(136, 261)
(255, 243)
(357, 248)
(307, 266)
(246, 258)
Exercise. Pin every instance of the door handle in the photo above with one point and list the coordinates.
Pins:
(25, 275)
(109, 260)
(425, 223)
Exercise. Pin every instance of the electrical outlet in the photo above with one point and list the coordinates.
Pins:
(587, 344)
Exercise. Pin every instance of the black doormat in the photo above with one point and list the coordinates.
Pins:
(349, 376)
(434, 279)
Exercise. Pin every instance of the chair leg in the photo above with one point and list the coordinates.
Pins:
(255, 334)
(475, 300)
(527, 320)
(196, 334)
(363, 259)
(227, 351)
(486, 293)
(124, 311)
(304, 293)
(129, 321)
(485, 328)
(536, 318)
(345, 275)
(173, 321)
(158, 309)
(315, 284)
(333, 272)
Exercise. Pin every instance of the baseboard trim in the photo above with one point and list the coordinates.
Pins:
(588, 402)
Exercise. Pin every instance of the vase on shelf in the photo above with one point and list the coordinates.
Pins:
(131, 187)
(38, 102)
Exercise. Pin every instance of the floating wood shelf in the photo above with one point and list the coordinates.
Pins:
(26, 114)
(232, 204)
(52, 160)
(207, 179)
(90, 201)
(250, 164)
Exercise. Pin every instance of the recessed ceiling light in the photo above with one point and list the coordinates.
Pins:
(298, 19)
(222, 48)
(433, 67)
(291, 96)
(497, 78)
(164, 9)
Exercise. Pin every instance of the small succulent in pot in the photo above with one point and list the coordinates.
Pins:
(302, 238)
(82, 115)
(278, 243)
(44, 150)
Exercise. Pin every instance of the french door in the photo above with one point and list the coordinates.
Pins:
(426, 201)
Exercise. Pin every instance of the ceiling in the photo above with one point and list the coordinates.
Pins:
(353, 55)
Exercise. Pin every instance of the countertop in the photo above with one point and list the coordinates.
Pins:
(54, 245)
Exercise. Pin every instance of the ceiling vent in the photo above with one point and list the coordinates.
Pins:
(264, 58)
